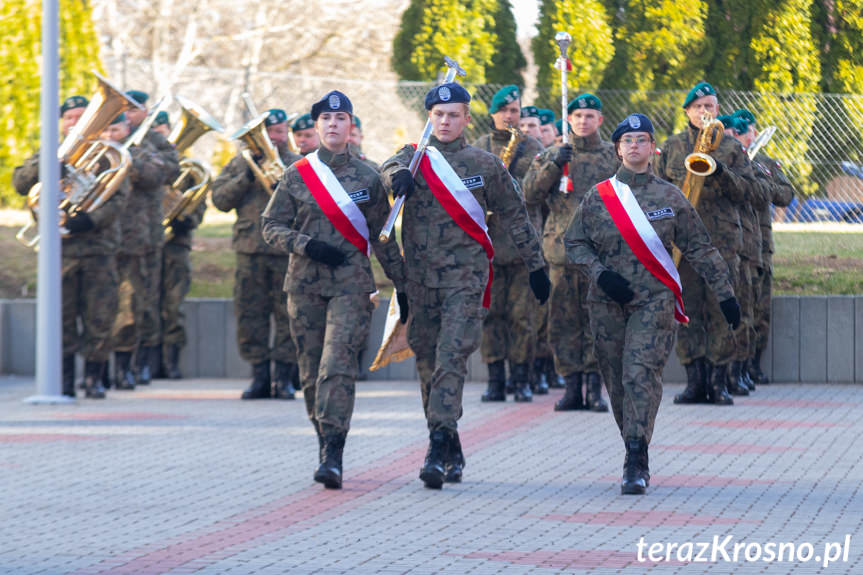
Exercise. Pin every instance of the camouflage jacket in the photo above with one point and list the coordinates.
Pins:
(357, 152)
(104, 238)
(505, 252)
(594, 243)
(236, 189)
(293, 217)
(592, 162)
(721, 194)
(438, 253)
(171, 168)
(184, 238)
(780, 192)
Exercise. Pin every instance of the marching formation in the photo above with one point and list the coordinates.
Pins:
(567, 260)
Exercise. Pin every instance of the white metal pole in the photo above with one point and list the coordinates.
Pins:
(48, 296)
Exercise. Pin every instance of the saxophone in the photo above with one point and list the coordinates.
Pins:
(515, 136)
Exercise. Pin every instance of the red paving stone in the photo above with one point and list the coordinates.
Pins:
(118, 416)
(653, 518)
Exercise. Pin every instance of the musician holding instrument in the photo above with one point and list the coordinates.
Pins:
(621, 237)
(590, 161)
(245, 185)
(510, 329)
(716, 177)
(324, 216)
(89, 245)
(448, 256)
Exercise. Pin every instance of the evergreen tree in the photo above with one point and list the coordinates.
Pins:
(507, 62)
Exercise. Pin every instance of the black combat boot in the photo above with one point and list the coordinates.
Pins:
(454, 461)
(93, 380)
(539, 381)
(496, 382)
(172, 363)
(69, 375)
(433, 472)
(521, 383)
(636, 474)
(142, 361)
(124, 377)
(593, 396)
(755, 368)
(694, 392)
(555, 381)
(285, 386)
(746, 377)
(509, 387)
(260, 386)
(717, 392)
(155, 357)
(329, 472)
(736, 386)
(572, 398)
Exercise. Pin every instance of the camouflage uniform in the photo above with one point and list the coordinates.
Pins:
(357, 152)
(89, 272)
(510, 329)
(329, 307)
(261, 268)
(780, 192)
(707, 335)
(447, 271)
(633, 341)
(569, 331)
(154, 163)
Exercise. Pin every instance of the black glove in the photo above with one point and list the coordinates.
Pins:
(403, 183)
(324, 253)
(182, 226)
(540, 285)
(564, 155)
(402, 298)
(616, 286)
(731, 310)
(80, 222)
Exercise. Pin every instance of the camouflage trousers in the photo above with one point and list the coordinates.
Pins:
(126, 332)
(258, 295)
(445, 328)
(509, 330)
(89, 293)
(151, 310)
(329, 332)
(745, 292)
(632, 345)
(707, 334)
(543, 342)
(569, 326)
(176, 278)
(763, 296)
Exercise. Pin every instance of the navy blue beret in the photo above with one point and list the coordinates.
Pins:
(450, 93)
(632, 123)
(334, 101)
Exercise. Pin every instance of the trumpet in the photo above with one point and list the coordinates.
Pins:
(254, 135)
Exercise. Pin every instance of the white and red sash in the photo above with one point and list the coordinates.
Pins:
(641, 238)
(335, 202)
(459, 203)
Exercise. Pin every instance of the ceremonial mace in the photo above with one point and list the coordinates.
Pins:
(563, 41)
(387, 231)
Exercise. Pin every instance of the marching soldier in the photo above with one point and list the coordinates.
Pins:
(137, 324)
(325, 214)
(635, 297)
(89, 271)
(447, 260)
(529, 122)
(356, 144)
(509, 330)
(707, 348)
(591, 160)
(305, 135)
(162, 124)
(547, 129)
(779, 192)
(260, 272)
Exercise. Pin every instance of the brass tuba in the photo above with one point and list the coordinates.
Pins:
(190, 187)
(95, 168)
(254, 135)
(515, 136)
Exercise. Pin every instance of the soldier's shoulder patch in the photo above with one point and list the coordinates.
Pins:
(472, 182)
(660, 214)
(360, 196)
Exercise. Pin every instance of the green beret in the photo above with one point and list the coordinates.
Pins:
(119, 119)
(73, 102)
(726, 120)
(546, 117)
(357, 122)
(138, 96)
(275, 116)
(162, 119)
(504, 96)
(700, 90)
(304, 122)
(558, 125)
(745, 115)
(586, 101)
(530, 112)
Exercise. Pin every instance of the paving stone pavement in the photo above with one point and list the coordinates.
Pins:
(182, 477)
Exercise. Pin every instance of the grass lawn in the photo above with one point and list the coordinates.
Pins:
(805, 263)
